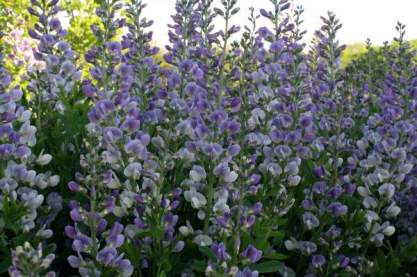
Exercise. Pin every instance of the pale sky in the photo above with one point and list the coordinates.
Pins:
(361, 19)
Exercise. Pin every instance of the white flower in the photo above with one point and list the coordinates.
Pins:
(54, 180)
(24, 116)
(258, 115)
(44, 159)
(292, 168)
(363, 191)
(224, 172)
(201, 214)
(185, 154)
(290, 245)
(362, 144)
(371, 216)
(369, 202)
(198, 173)
(392, 210)
(378, 239)
(382, 174)
(387, 190)
(186, 230)
(274, 169)
(293, 181)
(221, 207)
(389, 230)
(399, 178)
(27, 134)
(119, 212)
(196, 199)
(44, 233)
(112, 157)
(126, 199)
(399, 154)
(30, 176)
(203, 240)
(32, 198)
(133, 170)
(42, 181)
(231, 177)
(405, 168)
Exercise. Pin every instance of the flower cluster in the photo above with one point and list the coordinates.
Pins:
(56, 80)
(25, 213)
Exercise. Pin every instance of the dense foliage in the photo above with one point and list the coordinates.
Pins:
(231, 157)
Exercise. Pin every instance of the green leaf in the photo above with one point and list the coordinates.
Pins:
(207, 252)
(199, 266)
(268, 267)
(4, 264)
(344, 274)
(275, 256)
(277, 234)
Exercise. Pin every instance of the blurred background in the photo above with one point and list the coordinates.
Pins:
(362, 19)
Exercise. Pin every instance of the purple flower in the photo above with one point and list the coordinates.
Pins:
(247, 272)
(55, 24)
(264, 32)
(115, 237)
(170, 219)
(70, 231)
(319, 187)
(186, 66)
(80, 242)
(114, 48)
(310, 220)
(179, 246)
(343, 261)
(75, 215)
(139, 223)
(318, 261)
(306, 121)
(257, 208)
(252, 254)
(220, 251)
(107, 255)
(308, 204)
(73, 186)
(319, 171)
(335, 192)
(74, 261)
(277, 46)
(337, 209)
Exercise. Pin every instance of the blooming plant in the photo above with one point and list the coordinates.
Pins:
(233, 156)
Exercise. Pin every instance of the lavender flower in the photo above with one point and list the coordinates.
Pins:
(252, 254)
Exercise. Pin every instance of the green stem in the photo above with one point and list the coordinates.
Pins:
(222, 58)
(210, 195)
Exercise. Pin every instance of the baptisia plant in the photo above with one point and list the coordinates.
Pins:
(208, 131)
(387, 149)
(327, 239)
(26, 210)
(125, 180)
(51, 85)
(96, 233)
(53, 90)
(280, 121)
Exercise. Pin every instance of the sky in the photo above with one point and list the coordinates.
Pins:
(362, 19)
